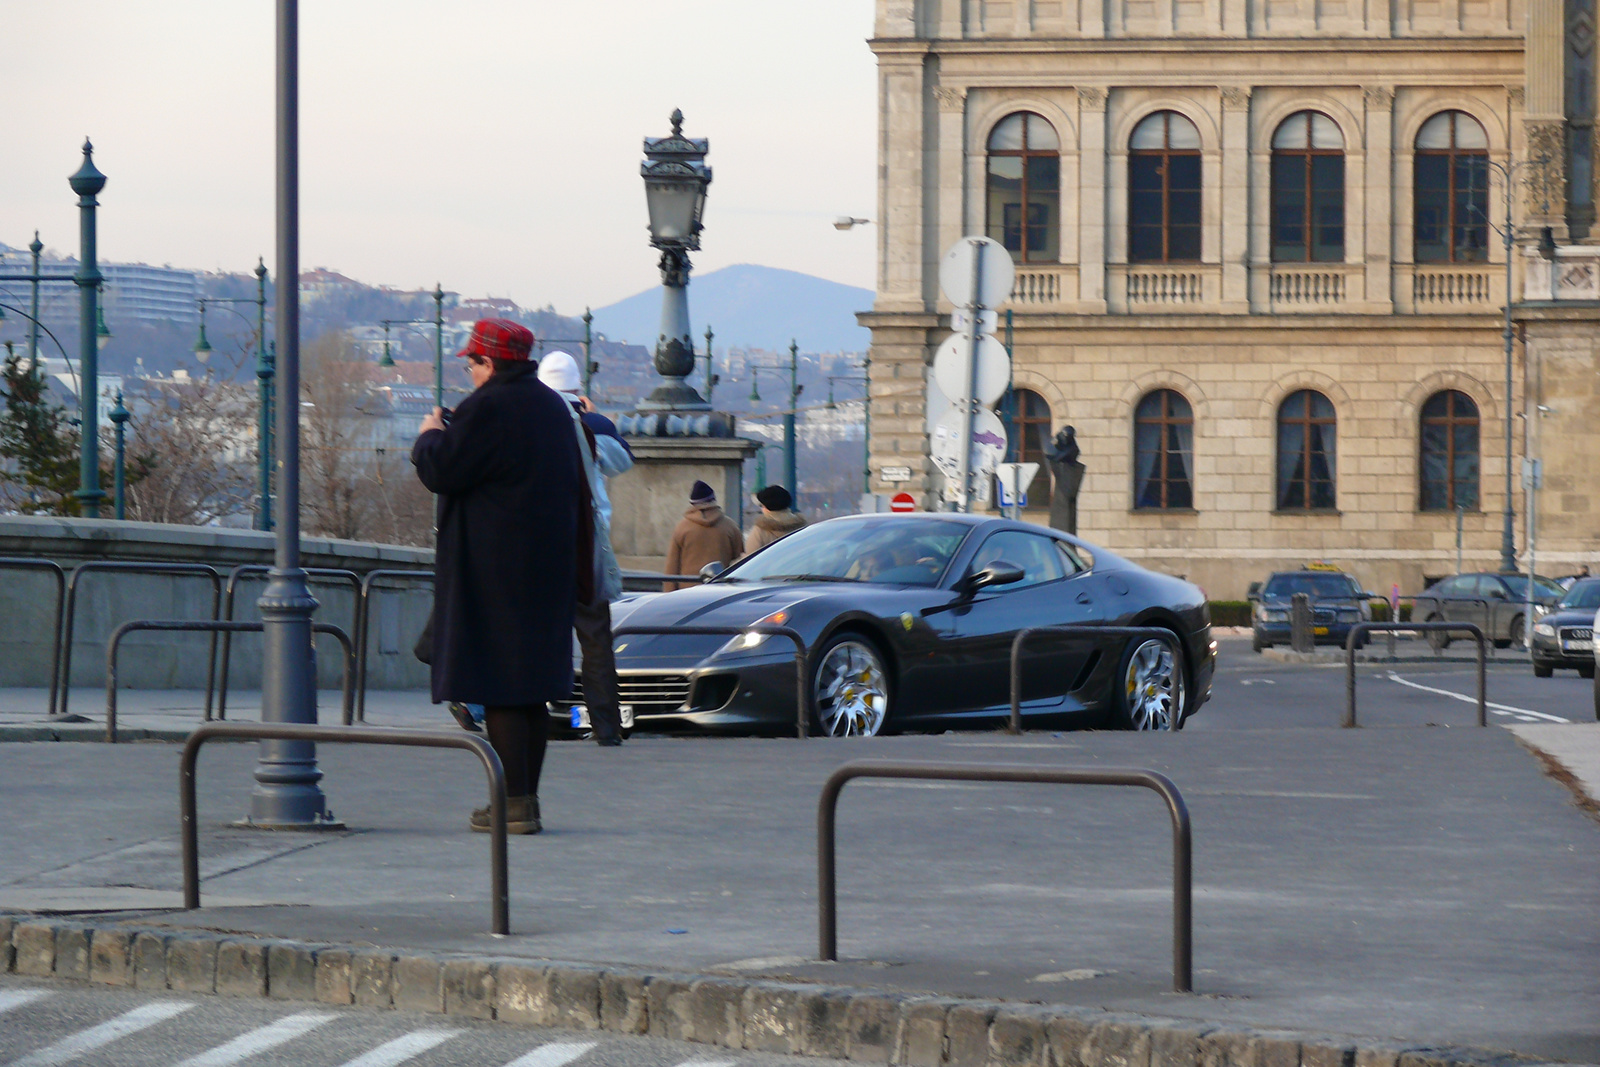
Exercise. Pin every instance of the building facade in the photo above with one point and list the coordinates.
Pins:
(1261, 268)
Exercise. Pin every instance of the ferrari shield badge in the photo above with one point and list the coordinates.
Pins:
(906, 619)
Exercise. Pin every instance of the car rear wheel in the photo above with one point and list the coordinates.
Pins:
(1439, 639)
(850, 687)
(1517, 635)
(1150, 693)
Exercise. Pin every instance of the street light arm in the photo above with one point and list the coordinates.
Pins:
(62, 348)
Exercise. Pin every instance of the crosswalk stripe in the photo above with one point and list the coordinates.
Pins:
(16, 998)
(402, 1048)
(555, 1054)
(260, 1039)
(94, 1037)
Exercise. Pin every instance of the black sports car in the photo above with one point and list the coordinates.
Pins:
(908, 621)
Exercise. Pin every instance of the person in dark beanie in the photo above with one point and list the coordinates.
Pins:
(702, 536)
(778, 518)
(515, 554)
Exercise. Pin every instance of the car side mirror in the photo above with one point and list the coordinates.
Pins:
(997, 573)
(711, 570)
(1255, 591)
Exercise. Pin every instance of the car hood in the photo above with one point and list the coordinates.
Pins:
(719, 603)
(1570, 617)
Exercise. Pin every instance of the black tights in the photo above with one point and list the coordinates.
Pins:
(518, 735)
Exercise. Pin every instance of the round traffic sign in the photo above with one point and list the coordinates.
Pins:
(988, 444)
(903, 502)
(985, 257)
(952, 369)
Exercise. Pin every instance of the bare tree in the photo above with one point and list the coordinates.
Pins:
(191, 451)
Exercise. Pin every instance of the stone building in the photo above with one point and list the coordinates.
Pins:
(1260, 267)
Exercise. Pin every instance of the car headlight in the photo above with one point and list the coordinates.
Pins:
(1274, 614)
(1544, 629)
(750, 639)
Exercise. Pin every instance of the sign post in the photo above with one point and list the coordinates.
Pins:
(976, 274)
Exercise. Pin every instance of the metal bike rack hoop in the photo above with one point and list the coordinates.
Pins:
(1015, 726)
(363, 626)
(347, 735)
(19, 563)
(802, 672)
(1182, 843)
(245, 570)
(1360, 628)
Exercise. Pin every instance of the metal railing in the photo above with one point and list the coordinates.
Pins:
(1361, 628)
(187, 626)
(64, 637)
(247, 570)
(1182, 844)
(1080, 630)
(801, 671)
(364, 625)
(18, 563)
(348, 735)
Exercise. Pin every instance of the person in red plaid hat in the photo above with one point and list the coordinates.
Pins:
(514, 522)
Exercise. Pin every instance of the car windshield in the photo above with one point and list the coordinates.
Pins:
(1583, 595)
(911, 551)
(1542, 587)
(1317, 585)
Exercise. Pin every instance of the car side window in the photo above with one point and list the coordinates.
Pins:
(1070, 559)
(1461, 585)
(1489, 588)
(1038, 557)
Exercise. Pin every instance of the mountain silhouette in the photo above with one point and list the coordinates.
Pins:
(751, 306)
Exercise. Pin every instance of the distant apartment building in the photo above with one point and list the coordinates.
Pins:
(132, 293)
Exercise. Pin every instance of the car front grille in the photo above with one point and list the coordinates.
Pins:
(650, 694)
(1577, 633)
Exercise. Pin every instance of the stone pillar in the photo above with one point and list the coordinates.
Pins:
(952, 154)
(1378, 181)
(900, 175)
(648, 501)
(1092, 200)
(1235, 188)
(1544, 121)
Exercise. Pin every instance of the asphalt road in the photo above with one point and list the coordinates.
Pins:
(1253, 693)
(45, 1023)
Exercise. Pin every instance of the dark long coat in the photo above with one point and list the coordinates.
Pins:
(508, 470)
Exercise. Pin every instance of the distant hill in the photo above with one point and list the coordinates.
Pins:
(751, 306)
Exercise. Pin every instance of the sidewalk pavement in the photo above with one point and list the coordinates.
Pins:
(1412, 884)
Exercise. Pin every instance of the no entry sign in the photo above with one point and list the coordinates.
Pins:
(903, 502)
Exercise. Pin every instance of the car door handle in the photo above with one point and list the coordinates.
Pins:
(1085, 598)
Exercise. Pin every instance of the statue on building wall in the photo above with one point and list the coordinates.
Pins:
(1067, 475)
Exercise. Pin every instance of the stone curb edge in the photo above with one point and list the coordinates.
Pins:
(861, 1025)
(89, 732)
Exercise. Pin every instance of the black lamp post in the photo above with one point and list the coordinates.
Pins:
(87, 181)
(119, 418)
(675, 181)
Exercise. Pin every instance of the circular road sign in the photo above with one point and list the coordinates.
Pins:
(969, 255)
(903, 502)
(951, 367)
(988, 443)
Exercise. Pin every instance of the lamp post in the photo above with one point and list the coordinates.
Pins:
(866, 425)
(119, 417)
(675, 182)
(87, 181)
(711, 378)
(438, 344)
(288, 793)
(795, 389)
(264, 374)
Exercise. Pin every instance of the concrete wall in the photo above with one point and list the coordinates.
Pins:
(178, 660)
(648, 501)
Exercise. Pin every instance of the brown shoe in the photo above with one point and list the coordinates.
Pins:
(522, 816)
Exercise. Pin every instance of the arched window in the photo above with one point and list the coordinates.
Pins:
(1308, 190)
(1451, 189)
(1024, 194)
(1449, 452)
(1164, 190)
(1306, 452)
(1163, 451)
(1026, 416)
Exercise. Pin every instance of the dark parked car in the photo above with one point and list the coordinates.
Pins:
(1337, 603)
(1497, 603)
(1565, 637)
(908, 622)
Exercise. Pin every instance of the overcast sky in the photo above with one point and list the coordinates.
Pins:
(493, 145)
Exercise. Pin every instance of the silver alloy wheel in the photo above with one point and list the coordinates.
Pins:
(1153, 687)
(851, 690)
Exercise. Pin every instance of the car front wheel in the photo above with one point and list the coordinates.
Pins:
(850, 687)
(1150, 691)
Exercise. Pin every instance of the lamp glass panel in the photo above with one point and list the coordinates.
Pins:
(672, 209)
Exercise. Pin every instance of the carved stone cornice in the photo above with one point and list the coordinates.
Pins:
(1378, 97)
(1092, 99)
(951, 98)
(1235, 98)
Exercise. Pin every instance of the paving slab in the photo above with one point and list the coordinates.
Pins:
(1424, 884)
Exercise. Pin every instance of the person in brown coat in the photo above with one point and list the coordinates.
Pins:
(703, 535)
(778, 519)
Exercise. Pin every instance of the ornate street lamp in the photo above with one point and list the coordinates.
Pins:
(87, 181)
(675, 181)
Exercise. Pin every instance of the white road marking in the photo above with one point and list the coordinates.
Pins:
(402, 1048)
(260, 1039)
(88, 1040)
(556, 1054)
(16, 998)
(1528, 714)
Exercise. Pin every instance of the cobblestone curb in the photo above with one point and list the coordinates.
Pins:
(862, 1025)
